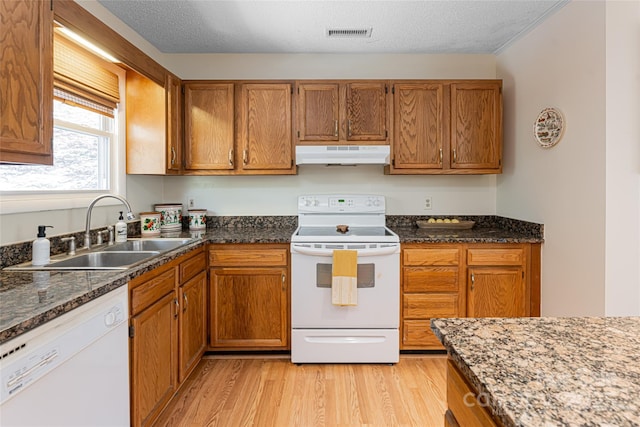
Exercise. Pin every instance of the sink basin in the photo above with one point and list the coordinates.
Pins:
(116, 257)
(102, 261)
(137, 245)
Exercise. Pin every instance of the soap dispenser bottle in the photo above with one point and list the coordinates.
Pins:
(121, 230)
(41, 247)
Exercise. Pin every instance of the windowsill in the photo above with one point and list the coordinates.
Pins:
(11, 204)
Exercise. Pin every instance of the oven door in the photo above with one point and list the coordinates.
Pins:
(378, 287)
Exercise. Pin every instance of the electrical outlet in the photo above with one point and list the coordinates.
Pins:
(427, 203)
(191, 203)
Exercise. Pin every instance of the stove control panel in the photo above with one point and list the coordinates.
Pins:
(341, 203)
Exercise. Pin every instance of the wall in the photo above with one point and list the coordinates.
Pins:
(622, 294)
(276, 195)
(585, 188)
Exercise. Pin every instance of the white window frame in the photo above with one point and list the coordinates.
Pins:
(11, 202)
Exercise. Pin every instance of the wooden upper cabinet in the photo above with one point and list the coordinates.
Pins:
(476, 125)
(209, 126)
(318, 112)
(264, 129)
(26, 85)
(174, 123)
(447, 127)
(341, 112)
(418, 140)
(366, 111)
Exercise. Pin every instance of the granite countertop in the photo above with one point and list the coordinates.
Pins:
(550, 371)
(28, 300)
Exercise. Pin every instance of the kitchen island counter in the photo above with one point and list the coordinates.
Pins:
(549, 371)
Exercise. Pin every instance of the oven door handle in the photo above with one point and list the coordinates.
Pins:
(388, 250)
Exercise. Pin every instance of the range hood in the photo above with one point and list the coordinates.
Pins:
(342, 154)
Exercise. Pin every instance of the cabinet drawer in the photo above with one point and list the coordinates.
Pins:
(426, 306)
(248, 257)
(192, 266)
(434, 256)
(430, 279)
(418, 333)
(149, 292)
(507, 256)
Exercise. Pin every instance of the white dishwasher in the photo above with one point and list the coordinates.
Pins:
(71, 371)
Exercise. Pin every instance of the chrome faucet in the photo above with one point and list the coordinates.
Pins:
(87, 233)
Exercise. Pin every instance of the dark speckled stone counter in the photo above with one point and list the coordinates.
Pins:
(550, 371)
(27, 300)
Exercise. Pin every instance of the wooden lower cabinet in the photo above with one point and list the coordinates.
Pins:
(465, 407)
(193, 323)
(167, 332)
(249, 297)
(465, 280)
(496, 281)
(432, 286)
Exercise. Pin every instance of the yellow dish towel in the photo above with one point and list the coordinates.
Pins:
(344, 279)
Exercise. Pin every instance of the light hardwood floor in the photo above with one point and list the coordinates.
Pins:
(252, 391)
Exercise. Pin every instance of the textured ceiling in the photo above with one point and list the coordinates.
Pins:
(242, 26)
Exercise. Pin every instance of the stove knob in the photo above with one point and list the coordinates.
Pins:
(376, 202)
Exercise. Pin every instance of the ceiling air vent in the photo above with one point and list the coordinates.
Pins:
(349, 32)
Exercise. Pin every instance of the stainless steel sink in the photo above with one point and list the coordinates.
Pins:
(116, 257)
(137, 245)
(102, 261)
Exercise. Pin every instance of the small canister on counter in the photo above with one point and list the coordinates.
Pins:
(150, 223)
(197, 219)
(171, 216)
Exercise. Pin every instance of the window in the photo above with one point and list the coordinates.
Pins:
(81, 155)
(88, 138)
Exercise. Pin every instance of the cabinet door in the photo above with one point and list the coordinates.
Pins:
(418, 126)
(265, 127)
(26, 86)
(193, 323)
(318, 112)
(476, 125)
(366, 111)
(496, 292)
(174, 123)
(146, 125)
(209, 126)
(248, 308)
(154, 358)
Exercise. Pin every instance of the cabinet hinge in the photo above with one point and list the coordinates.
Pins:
(393, 90)
(292, 163)
(182, 89)
(393, 162)
(386, 134)
(132, 331)
(51, 5)
(291, 90)
(523, 274)
(298, 91)
(386, 89)
(499, 162)
(298, 134)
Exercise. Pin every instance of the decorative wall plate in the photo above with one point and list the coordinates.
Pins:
(548, 127)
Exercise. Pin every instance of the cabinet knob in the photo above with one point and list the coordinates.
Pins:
(335, 127)
(177, 306)
(231, 157)
(454, 156)
(173, 156)
(284, 279)
(244, 156)
(186, 301)
(473, 281)
(441, 156)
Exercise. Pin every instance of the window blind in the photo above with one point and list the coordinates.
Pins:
(80, 77)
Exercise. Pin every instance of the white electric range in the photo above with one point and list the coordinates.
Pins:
(327, 333)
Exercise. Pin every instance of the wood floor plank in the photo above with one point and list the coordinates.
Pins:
(264, 392)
